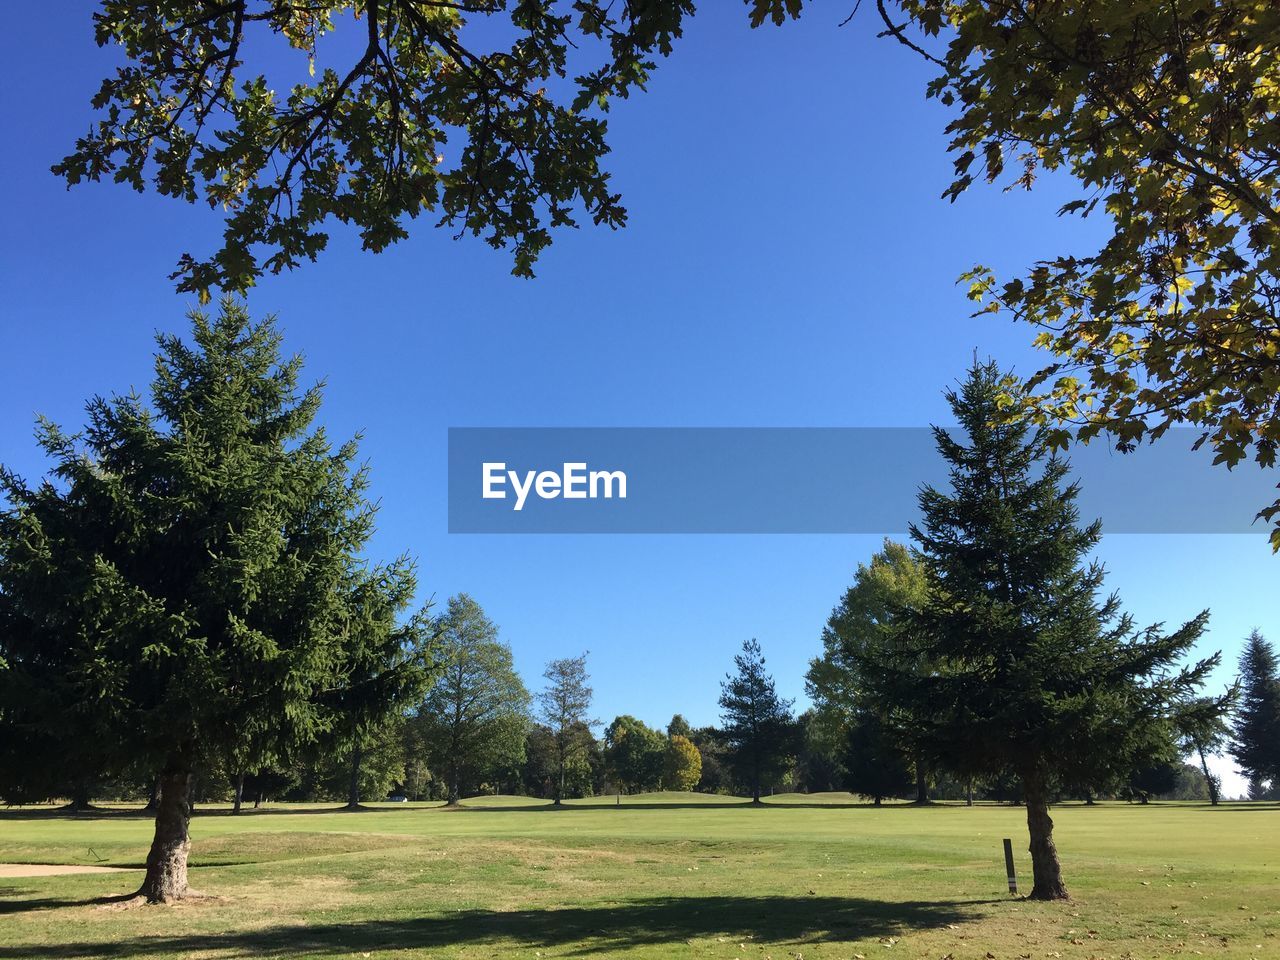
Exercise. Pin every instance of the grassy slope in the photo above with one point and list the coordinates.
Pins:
(660, 877)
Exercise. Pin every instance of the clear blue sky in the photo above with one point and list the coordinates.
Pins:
(788, 262)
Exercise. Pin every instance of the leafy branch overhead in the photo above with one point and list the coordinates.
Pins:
(419, 116)
(1166, 116)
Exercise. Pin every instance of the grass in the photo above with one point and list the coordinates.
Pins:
(663, 876)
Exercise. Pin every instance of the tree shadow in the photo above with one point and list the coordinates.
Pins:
(588, 929)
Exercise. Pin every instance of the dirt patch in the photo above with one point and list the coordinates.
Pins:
(52, 869)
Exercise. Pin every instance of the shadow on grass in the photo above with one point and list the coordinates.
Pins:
(587, 930)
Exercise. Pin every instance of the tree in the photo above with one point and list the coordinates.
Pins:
(1036, 675)
(429, 114)
(865, 624)
(634, 754)
(473, 720)
(682, 768)
(1202, 729)
(1255, 736)
(383, 668)
(875, 764)
(757, 725)
(564, 703)
(1166, 115)
(180, 586)
(679, 727)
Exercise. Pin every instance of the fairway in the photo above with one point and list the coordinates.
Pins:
(666, 875)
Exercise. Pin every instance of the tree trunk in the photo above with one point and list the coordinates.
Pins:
(1210, 779)
(922, 784)
(353, 786)
(561, 753)
(166, 879)
(239, 797)
(876, 801)
(153, 802)
(968, 794)
(1045, 868)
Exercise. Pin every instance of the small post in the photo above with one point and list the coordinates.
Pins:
(1008, 865)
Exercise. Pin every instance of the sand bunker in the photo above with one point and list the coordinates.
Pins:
(51, 869)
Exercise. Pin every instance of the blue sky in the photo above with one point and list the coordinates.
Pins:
(787, 263)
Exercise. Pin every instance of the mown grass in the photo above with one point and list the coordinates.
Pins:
(661, 876)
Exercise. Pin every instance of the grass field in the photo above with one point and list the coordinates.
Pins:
(664, 876)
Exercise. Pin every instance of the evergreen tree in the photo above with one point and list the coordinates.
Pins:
(564, 703)
(875, 764)
(1255, 735)
(1034, 673)
(179, 591)
(473, 720)
(757, 725)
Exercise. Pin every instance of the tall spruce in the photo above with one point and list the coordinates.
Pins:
(1034, 672)
(756, 725)
(179, 590)
(1255, 735)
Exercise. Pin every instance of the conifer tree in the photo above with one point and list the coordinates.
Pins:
(1255, 736)
(1036, 674)
(757, 724)
(186, 585)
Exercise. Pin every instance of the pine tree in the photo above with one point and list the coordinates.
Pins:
(757, 725)
(1255, 735)
(179, 592)
(1034, 673)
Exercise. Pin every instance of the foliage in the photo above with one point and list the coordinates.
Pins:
(875, 764)
(186, 585)
(682, 764)
(864, 627)
(541, 772)
(563, 705)
(1255, 735)
(756, 726)
(679, 727)
(634, 754)
(485, 115)
(1036, 675)
(473, 719)
(1166, 116)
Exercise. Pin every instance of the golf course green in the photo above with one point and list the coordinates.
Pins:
(659, 876)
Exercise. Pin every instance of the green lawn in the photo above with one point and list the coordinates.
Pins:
(665, 876)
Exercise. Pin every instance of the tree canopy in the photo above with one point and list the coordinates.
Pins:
(486, 115)
(187, 584)
(473, 719)
(1165, 115)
